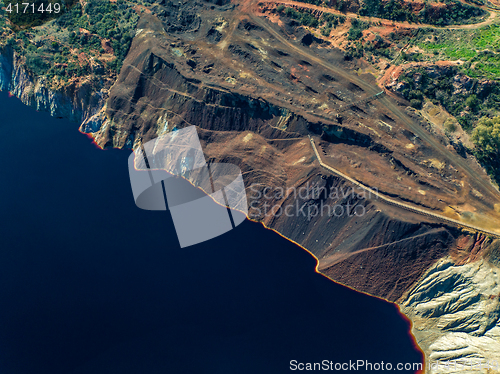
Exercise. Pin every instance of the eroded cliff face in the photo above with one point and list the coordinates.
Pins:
(254, 104)
(359, 240)
(79, 102)
(455, 310)
(236, 82)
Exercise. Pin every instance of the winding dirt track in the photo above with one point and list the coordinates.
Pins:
(329, 261)
(387, 102)
(398, 203)
(384, 21)
(249, 9)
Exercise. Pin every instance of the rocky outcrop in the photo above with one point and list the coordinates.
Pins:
(359, 240)
(79, 102)
(455, 310)
(6, 67)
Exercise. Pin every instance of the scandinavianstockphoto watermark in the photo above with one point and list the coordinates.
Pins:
(157, 166)
(308, 201)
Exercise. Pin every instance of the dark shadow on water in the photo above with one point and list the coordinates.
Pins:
(90, 284)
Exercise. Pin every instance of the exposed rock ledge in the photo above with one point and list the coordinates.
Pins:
(455, 313)
(453, 318)
(78, 101)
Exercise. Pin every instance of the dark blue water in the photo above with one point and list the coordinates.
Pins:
(90, 284)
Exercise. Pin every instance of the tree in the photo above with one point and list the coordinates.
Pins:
(354, 34)
(472, 102)
(325, 31)
(415, 103)
(486, 137)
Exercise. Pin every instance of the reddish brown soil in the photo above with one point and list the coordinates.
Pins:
(256, 89)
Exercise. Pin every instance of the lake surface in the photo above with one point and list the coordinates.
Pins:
(91, 284)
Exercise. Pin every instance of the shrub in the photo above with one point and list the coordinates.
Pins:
(416, 94)
(415, 103)
(354, 34)
(450, 125)
(472, 102)
(486, 136)
(37, 65)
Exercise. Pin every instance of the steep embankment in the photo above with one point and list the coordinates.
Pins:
(340, 224)
(359, 240)
(246, 96)
(78, 102)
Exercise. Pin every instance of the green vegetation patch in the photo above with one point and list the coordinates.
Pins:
(103, 20)
(314, 2)
(85, 41)
(486, 137)
(478, 49)
(464, 97)
(487, 38)
(356, 30)
(304, 18)
(470, 100)
(449, 12)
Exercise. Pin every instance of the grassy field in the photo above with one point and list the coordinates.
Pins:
(478, 49)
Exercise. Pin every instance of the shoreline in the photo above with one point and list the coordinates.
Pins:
(404, 318)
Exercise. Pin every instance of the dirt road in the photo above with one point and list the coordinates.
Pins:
(388, 103)
(399, 203)
(384, 21)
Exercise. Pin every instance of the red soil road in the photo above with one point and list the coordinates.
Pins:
(395, 71)
(386, 22)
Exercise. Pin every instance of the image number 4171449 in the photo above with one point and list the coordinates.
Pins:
(27, 14)
(33, 8)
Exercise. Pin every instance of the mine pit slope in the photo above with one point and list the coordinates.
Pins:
(258, 84)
